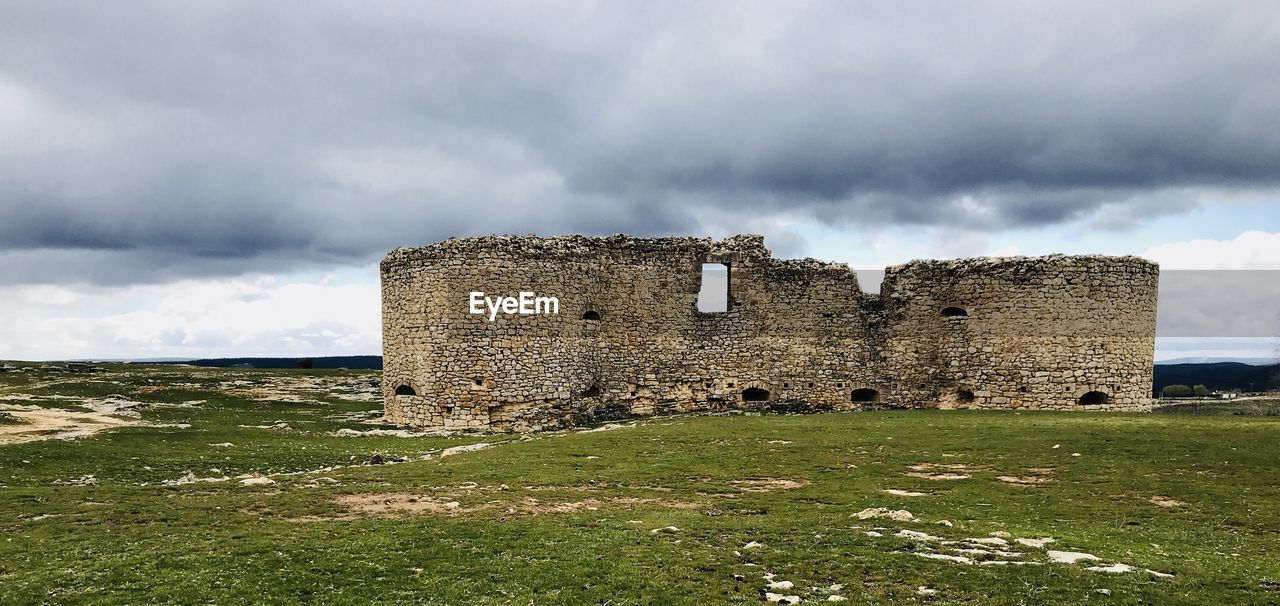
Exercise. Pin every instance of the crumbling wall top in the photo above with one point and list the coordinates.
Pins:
(1004, 266)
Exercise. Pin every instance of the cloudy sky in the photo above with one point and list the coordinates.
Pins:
(220, 178)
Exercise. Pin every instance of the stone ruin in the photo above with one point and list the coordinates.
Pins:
(1048, 333)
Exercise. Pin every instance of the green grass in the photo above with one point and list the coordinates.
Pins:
(131, 539)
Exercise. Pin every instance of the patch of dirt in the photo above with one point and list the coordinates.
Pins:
(943, 471)
(938, 476)
(1024, 480)
(904, 493)
(56, 424)
(1166, 501)
(397, 504)
(767, 484)
(945, 466)
(405, 504)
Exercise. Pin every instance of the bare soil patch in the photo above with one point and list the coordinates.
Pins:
(406, 504)
(1024, 480)
(767, 484)
(943, 471)
(56, 424)
(938, 476)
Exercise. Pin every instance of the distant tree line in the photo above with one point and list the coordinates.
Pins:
(1183, 391)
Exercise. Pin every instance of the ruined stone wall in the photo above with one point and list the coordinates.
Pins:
(801, 330)
(1034, 333)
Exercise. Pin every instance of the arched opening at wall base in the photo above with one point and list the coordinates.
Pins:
(755, 394)
(864, 396)
(405, 390)
(1094, 398)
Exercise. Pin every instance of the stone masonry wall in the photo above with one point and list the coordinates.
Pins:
(1039, 333)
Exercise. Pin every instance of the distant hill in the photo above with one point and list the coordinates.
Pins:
(353, 362)
(1218, 376)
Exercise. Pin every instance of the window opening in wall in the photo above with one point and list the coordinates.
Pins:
(478, 381)
(964, 395)
(786, 385)
(865, 395)
(405, 390)
(714, 295)
(591, 314)
(592, 392)
(954, 312)
(1094, 398)
(755, 394)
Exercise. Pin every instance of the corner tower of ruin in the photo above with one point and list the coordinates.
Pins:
(628, 338)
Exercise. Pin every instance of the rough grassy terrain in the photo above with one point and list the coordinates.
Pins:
(241, 486)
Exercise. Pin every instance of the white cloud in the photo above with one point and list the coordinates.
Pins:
(1252, 249)
(289, 316)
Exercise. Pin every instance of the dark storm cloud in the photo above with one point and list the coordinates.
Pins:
(219, 137)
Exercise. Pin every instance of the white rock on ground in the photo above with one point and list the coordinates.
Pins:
(779, 598)
(997, 541)
(1037, 543)
(943, 556)
(781, 585)
(1070, 557)
(919, 536)
(900, 515)
(468, 448)
(1117, 568)
(257, 481)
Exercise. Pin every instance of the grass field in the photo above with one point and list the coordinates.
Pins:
(241, 486)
